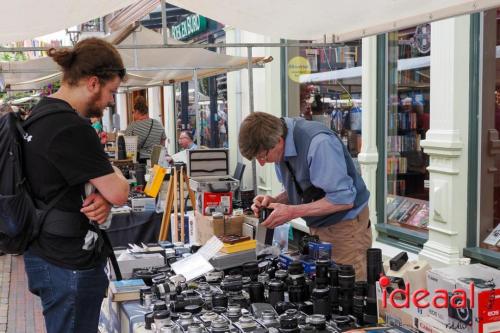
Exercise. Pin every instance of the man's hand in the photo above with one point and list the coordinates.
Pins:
(281, 214)
(96, 208)
(261, 201)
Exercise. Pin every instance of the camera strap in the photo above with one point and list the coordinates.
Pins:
(297, 185)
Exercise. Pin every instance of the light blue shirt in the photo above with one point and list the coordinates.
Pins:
(327, 168)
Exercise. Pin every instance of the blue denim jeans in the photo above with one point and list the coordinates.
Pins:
(71, 299)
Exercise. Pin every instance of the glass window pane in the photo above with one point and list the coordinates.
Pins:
(407, 123)
(328, 86)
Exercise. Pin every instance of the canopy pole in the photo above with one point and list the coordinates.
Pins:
(251, 109)
(196, 108)
(164, 22)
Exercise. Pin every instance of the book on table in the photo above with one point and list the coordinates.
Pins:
(125, 290)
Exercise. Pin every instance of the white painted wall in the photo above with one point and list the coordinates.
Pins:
(267, 98)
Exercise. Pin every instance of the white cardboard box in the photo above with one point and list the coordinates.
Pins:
(482, 313)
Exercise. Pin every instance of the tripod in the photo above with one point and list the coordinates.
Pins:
(175, 194)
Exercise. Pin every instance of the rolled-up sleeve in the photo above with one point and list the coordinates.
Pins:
(328, 170)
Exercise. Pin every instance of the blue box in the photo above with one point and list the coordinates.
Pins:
(321, 250)
(307, 262)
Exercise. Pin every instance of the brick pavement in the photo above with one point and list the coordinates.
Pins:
(20, 311)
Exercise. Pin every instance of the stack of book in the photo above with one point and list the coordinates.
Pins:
(125, 290)
(407, 212)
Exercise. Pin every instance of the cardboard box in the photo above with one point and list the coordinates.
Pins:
(206, 227)
(128, 262)
(482, 313)
(143, 204)
(210, 202)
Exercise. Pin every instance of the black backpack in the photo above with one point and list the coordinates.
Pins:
(20, 219)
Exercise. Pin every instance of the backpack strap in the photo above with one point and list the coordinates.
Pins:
(42, 111)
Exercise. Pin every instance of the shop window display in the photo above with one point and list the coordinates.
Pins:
(407, 178)
(330, 91)
(188, 121)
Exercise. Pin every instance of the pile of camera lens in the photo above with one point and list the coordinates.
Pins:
(261, 296)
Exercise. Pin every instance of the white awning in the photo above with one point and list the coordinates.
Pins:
(145, 67)
(28, 19)
(341, 19)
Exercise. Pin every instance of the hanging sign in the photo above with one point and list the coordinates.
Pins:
(192, 25)
(298, 66)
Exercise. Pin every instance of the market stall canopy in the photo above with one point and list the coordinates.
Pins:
(28, 19)
(341, 20)
(145, 67)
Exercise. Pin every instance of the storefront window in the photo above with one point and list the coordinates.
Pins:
(213, 126)
(407, 178)
(329, 89)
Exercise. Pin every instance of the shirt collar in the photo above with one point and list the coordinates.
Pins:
(290, 150)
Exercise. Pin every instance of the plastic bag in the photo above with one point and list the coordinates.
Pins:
(280, 238)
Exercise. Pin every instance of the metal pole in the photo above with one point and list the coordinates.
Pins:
(251, 109)
(189, 46)
(164, 22)
(196, 108)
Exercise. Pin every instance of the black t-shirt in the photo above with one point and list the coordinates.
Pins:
(64, 151)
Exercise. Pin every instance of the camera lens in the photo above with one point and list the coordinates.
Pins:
(307, 329)
(219, 325)
(219, 300)
(321, 301)
(318, 321)
(276, 291)
(295, 268)
(256, 292)
(219, 309)
(374, 265)
(234, 312)
(333, 275)
(289, 324)
(161, 318)
(322, 266)
(159, 305)
(232, 283)
(195, 328)
(281, 274)
(374, 269)
(142, 292)
(346, 283)
(297, 293)
(334, 299)
(264, 213)
(193, 308)
(263, 278)
(251, 269)
(148, 320)
(358, 301)
(343, 322)
(281, 307)
(185, 319)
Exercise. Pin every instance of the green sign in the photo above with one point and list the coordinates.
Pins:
(192, 25)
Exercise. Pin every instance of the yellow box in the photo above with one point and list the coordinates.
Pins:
(154, 183)
(238, 247)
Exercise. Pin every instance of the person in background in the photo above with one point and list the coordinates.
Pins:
(150, 131)
(222, 133)
(320, 181)
(96, 124)
(186, 140)
(116, 120)
(65, 264)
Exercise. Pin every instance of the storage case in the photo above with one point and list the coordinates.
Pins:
(208, 170)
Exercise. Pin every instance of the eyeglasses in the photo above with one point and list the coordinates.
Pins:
(263, 156)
